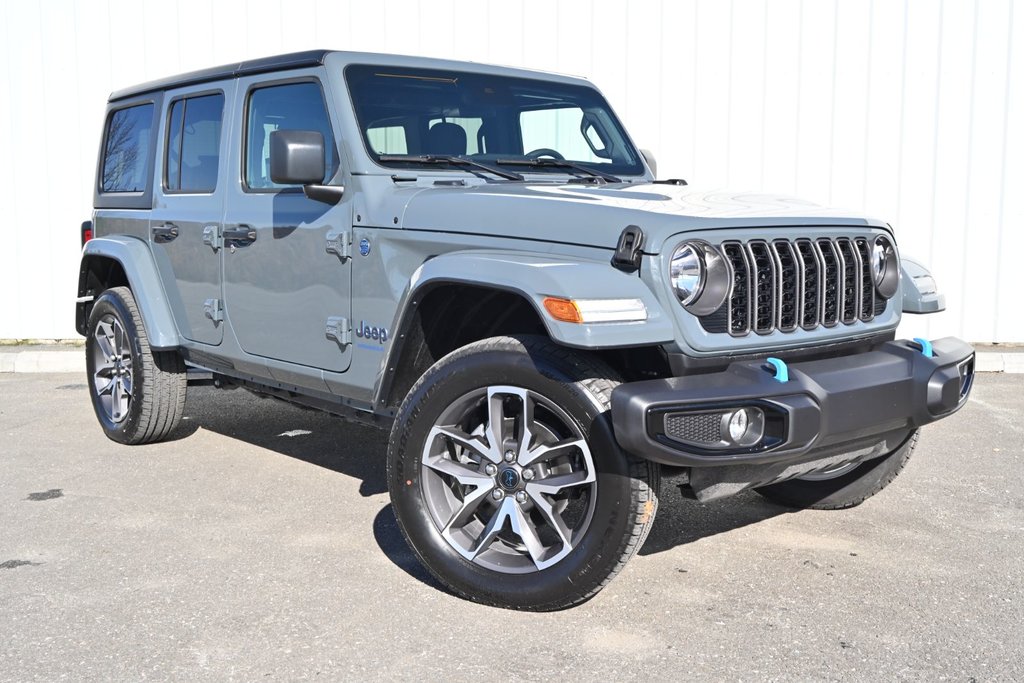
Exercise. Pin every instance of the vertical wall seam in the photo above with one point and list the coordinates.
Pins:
(799, 94)
(868, 84)
(968, 181)
(764, 95)
(935, 131)
(903, 114)
(728, 96)
(47, 189)
(693, 98)
(832, 111)
(1002, 169)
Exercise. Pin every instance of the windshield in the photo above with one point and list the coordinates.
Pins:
(497, 120)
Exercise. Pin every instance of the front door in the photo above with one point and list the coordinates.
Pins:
(190, 202)
(287, 297)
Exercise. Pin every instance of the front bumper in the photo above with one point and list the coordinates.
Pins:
(825, 404)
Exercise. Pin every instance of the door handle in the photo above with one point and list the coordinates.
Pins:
(165, 233)
(239, 235)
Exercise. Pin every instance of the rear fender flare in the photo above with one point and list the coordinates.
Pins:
(136, 260)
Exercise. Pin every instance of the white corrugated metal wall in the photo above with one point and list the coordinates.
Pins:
(912, 110)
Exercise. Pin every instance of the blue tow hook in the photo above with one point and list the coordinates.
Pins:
(926, 347)
(781, 369)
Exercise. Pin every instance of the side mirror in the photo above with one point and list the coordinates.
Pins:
(297, 158)
(648, 156)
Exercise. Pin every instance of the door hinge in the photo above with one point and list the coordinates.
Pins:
(340, 244)
(339, 330)
(213, 237)
(214, 310)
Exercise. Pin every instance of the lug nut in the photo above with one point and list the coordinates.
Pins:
(510, 455)
(527, 474)
(497, 494)
(520, 496)
(491, 469)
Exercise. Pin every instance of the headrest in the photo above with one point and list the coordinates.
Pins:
(445, 138)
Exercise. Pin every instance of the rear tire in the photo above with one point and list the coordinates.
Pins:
(846, 490)
(138, 394)
(479, 521)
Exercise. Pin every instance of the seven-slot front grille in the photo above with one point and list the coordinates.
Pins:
(804, 283)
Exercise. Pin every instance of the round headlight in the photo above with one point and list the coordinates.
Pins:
(688, 273)
(701, 278)
(885, 267)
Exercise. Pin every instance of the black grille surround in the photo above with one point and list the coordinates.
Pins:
(781, 285)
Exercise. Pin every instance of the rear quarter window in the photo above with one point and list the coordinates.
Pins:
(126, 149)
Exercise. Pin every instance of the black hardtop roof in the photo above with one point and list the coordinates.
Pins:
(293, 60)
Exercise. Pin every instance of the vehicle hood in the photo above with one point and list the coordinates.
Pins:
(594, 216)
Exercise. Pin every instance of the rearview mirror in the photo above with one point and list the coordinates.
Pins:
(297, 157)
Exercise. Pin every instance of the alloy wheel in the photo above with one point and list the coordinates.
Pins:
(112, 368)
(508, 479)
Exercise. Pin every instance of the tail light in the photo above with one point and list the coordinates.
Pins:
(86, 232)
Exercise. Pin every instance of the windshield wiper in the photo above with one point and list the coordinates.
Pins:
(449, 159)
(560, 163)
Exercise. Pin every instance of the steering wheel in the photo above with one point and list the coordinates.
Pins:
(545, 152)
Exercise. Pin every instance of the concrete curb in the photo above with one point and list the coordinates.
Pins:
(43, 361)
(73, 360)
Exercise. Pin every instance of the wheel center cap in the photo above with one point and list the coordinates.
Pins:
(509, 479)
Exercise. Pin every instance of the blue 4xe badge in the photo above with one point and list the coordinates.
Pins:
(378, 334)
(364, 246)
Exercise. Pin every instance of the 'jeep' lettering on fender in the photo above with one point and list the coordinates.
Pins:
(369, 332)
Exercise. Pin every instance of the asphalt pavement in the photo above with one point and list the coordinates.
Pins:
(260, 545)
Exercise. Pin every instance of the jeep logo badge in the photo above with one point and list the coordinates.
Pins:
(509, 479)
(366, 331)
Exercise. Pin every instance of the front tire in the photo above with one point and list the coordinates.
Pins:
(844, 487)
(506, 479)
(138, 394)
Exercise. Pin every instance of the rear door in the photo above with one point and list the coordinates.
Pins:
(287, 294)
(189, 206)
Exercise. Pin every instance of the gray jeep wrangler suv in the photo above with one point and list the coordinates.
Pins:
(480, 260)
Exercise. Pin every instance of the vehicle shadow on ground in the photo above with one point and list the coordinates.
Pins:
(351, 449)
(359, 451)
(304, 434)
(681, 521)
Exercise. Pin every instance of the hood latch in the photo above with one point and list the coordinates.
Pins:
(627, 254)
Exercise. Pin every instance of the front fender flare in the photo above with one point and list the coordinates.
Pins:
(920, 293)
(535, 277)
(135, 258)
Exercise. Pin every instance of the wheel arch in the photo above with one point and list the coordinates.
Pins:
(125, 261)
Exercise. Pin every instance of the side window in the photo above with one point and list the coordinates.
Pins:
(293, 106)
(193, 144)
(126, 150)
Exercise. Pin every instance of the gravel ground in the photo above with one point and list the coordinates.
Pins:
(240, 552)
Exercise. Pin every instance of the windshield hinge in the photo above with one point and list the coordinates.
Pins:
(627, 254)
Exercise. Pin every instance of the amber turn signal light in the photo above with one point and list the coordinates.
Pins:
(564, 310)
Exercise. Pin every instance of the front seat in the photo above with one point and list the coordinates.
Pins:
(445, 138)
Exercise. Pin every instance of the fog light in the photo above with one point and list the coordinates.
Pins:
(743, 426)
(738, 425)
